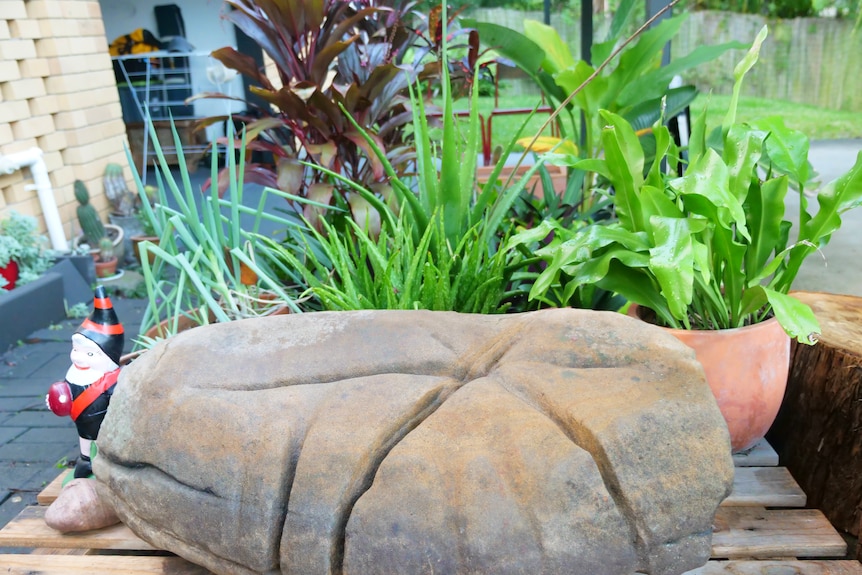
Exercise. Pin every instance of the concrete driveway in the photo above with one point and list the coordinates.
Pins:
(838, 268)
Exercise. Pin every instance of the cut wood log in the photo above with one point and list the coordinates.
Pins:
(818, 432)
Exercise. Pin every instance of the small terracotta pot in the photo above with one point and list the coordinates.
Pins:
(10, 273)
(746, 369)
(106, 269)
(136, 247)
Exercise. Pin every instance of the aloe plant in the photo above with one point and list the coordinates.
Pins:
(708, 249)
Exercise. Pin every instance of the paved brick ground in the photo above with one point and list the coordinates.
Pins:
(35, 444)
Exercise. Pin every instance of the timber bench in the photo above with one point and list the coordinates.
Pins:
(761, 529)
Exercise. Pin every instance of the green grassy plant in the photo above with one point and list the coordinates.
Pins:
(438, 244)
(202, 248)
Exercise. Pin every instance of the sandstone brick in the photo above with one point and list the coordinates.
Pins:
(63, 177)
(5, 133)
(95, 133)
(33, 127)
(70, 120)
(53, 160)
(103, 114)
(23, 89)
(13, 111)
(53, 141)
(28, 205)
(48, 47)
(52, 8)
(9, 70)
(34, 68)
(17, 49)
(14, 9)
(25, 28)
(57, 27)
(44, 105)
(94, 9)
(75, 83)
(91, 152)
(19, 193)
(78, 63)
(9, 180)
(85, 99)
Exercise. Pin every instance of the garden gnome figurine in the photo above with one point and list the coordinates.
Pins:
(92, 377)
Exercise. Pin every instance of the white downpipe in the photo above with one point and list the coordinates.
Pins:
(32, 159)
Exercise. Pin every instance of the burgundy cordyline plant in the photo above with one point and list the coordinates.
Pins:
(329, 58)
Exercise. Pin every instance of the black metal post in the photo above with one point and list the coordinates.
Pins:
(653, 7)
(586, 52)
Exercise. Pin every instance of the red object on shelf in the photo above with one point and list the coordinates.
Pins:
(10, 274)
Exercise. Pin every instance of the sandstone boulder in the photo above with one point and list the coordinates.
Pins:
(357, 443)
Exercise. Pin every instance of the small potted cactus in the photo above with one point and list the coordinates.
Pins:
(125, 207)
(93, 230)
(106, 261)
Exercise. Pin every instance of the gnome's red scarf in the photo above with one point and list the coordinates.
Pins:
(93, 391)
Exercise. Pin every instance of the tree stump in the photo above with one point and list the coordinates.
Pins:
(818, 432)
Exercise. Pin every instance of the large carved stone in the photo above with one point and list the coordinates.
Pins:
(357, 443)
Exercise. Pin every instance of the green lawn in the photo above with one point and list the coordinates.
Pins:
(818, 123)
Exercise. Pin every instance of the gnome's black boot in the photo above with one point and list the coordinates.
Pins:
(83, 468)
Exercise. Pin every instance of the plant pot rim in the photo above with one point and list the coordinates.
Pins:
(634, 311)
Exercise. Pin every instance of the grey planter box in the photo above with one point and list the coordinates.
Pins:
(30, 307)
(43, 302)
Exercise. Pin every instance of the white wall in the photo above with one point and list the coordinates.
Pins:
(205, 30)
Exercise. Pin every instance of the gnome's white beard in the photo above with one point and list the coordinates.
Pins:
(84, 377)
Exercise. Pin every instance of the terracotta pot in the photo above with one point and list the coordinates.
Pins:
(183, 323)
(746, 368)
(10, 273)
(136, 247)
(107, 268)
(115, 233)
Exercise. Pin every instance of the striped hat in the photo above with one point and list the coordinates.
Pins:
(103, 327)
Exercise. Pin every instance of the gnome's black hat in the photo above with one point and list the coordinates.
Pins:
(103, 327)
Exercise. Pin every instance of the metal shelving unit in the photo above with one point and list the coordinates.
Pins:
(154, 87)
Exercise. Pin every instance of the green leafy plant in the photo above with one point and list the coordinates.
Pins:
(20, 242)
(708, 249)
(206, 266)
(436, 244)
(629, 81)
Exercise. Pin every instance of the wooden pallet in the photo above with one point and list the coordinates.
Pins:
(761, 529)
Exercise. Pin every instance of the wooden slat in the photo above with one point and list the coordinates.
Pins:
(764, 487)
(761, 455)
(28, 529)
(52, 490)
(97, 564)
(51, 551)
(754, 532)
(779, 568)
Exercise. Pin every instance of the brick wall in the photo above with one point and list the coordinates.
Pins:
(57, 93)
